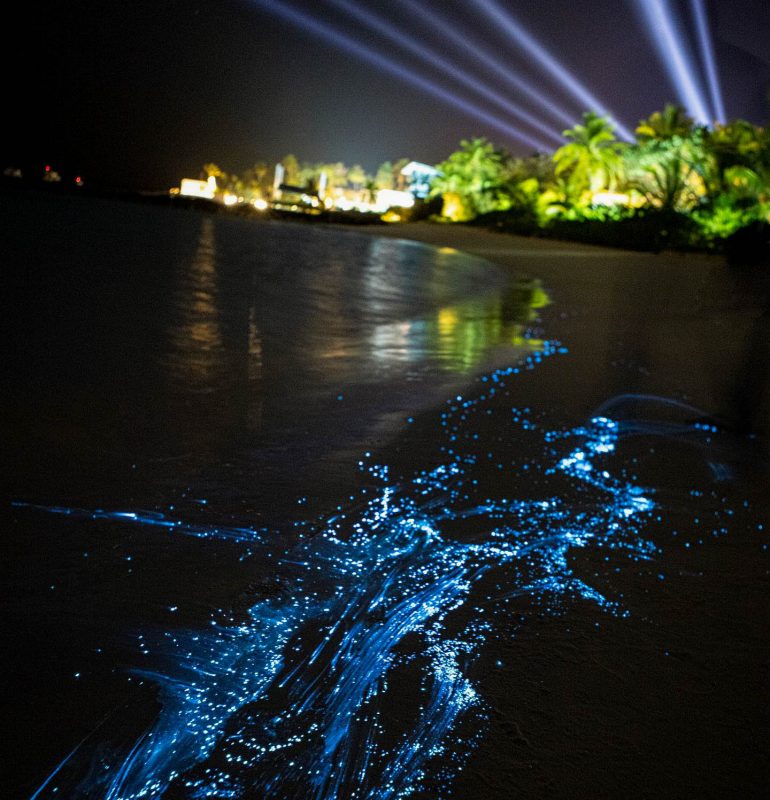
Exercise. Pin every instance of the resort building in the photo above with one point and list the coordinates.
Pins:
(417, 178)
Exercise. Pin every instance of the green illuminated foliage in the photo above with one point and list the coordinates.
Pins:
(592, 161)
(678, 185)
(667, 124)
(383, 178)
(726, 215)
(672, 172)
(473, 180)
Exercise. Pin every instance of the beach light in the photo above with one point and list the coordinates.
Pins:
(505, 22)
(435, 60)
(667, 37)
(348, 43)
(709, 60)
(476, 51)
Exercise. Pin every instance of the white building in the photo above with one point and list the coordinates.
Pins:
(418, 177)
(192, 188)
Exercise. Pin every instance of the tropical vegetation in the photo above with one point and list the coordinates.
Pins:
(257, 180)
(677, 185)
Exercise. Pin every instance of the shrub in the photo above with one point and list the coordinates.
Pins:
(648, 229)
(521, 221)
(749, 246)
(726, 215)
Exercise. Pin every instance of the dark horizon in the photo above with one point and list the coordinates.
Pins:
(139, 97)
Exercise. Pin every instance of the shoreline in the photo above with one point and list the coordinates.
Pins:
(578, 696)
(584, 699)
(523, 253)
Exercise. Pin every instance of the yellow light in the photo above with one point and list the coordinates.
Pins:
(390, 198)
(447, 321)
(610, 199)
(229, 199)
(260, 204)
(193, 188)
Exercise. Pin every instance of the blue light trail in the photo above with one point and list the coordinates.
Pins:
(154, 519)
(563, 76)
(412, 580)
(432, 58)
(665, 33)
(476, 51)
(709, 61)
(351, 45)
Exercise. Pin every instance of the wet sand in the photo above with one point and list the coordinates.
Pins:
(669, 698)
(694, 322)
(621, 653)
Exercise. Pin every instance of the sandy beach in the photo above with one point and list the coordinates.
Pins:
(668, 698)
(347, 501)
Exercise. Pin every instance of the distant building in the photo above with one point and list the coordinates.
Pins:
(390, 198)
(418, 177)
(297, 199)
(192, 188)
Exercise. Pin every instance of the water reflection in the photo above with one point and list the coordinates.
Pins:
(195, 346)
(265, 334)
(214, 342)
(254, 373)
(462, 335)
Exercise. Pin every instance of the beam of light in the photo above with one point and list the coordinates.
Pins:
(475, 51)
(351, 45)
(551, 65)
(709, 60)
(667, 38)
(435, 60)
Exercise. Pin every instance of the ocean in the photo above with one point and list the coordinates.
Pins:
(291, 511)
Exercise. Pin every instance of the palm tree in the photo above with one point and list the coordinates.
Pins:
(674, 173)
(472, 180)
(592, 161)
(742, 153)
(672, 121)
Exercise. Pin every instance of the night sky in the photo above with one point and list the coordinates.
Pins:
(141, 93)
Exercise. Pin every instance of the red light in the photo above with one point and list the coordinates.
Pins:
(47, 167)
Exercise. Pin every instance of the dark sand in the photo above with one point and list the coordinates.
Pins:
(681, 325)
(672, 700)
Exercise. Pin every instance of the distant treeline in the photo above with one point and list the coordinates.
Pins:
(258, 179)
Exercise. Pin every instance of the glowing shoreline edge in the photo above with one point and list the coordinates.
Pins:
(296, 702)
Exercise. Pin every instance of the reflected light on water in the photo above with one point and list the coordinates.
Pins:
(195, 333)
(460, 336)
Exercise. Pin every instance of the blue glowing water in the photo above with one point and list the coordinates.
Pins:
(354, 679)
(179, 632)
